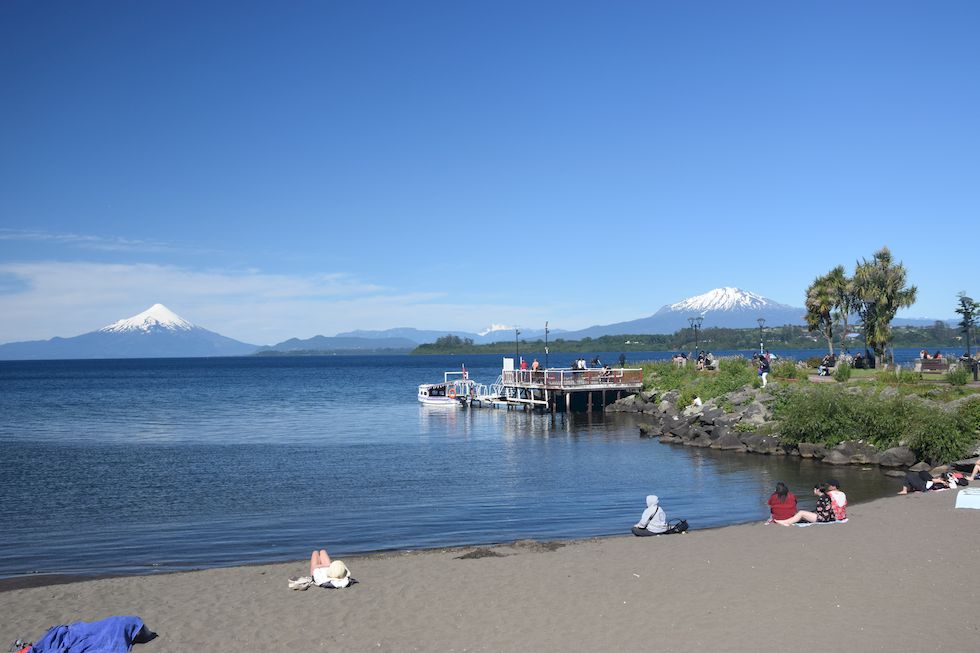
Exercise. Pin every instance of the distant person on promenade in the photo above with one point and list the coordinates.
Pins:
(764, 370)
(653, 521)
(938, 355)
(622, 360)
(824, 512)
(523, 364)
(782, 503)
(535, 365)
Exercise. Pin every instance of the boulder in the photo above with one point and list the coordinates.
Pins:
(709, 415)
(728, 442)
(859, 452)
(895, 472)
(718, 432)
(755, 413)
(920, 466)
(765, 444)
(648, 396)
(896, 457)
(742, 396)
(836, 457)
(679, 431)
(702, 440)
(810, 450)
(648, 431)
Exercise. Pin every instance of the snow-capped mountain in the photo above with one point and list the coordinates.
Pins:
(157, 332)
(724, 299)
(155, 317)
(721, 307)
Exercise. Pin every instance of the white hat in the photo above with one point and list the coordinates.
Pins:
(337, 570)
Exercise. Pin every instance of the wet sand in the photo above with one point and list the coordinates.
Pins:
(897, 576)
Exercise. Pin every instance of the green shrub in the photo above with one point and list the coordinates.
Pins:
(958, 376)
(969, 413)
(829, 415)
(814, 362)
(842, 373)
(745, 427)
(785, 369)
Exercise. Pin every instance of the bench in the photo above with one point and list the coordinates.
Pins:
(940, 366)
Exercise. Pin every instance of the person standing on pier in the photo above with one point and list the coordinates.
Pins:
(535, 365)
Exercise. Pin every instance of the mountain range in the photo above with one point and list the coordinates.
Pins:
(158, 332)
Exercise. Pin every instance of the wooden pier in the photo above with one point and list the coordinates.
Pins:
(563, 388)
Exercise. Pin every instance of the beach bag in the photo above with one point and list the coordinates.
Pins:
(676, 526)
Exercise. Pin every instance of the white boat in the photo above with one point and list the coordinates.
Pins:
(451, 392)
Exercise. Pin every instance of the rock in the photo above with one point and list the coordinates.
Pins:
(858, 452)
(810, 450)
(888, 393)
(648, 396)
(896, 457)
(741, 396)
(941, 469)
(709, 415)
(919, 466)
(648, 431)
(728, 442)
(702, 440)
(765, 444)
(755, 413)
(835, 457)
(679, 431)
(719, 432)
(895, 472)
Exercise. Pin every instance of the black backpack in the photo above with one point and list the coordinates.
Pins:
(676, 526)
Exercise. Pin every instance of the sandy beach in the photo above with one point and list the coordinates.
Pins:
(898, 575)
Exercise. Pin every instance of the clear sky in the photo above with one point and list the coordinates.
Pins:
(273, 170)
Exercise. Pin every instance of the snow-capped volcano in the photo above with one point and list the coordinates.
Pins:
(157, 316)
(722, 307)
(157, 332)
(724, 299)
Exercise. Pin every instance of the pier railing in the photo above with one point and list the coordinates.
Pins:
(569, 378)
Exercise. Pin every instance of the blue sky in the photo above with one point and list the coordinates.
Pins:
(275, 170)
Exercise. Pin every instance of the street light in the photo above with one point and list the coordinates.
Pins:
(545, 345)
(696, 325)
(517, 346)
(762, 323)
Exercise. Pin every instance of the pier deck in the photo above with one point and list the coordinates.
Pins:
(574, 389)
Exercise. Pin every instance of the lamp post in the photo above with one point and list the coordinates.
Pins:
(545, 345)
(696, 325)
(517, 346)
(762, 323)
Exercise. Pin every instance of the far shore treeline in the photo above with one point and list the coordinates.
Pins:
(938, 336)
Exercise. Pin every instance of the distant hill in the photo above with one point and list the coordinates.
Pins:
(155, 333)
(325, 344)
(496, 333)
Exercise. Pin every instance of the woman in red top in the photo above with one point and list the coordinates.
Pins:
(782, 503)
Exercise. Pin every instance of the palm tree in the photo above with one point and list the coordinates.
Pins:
(844, 301)
(879, 286)
(820, 308)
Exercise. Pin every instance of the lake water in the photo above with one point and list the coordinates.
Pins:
(135, 466)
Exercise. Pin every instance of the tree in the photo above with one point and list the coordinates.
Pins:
(844, 300)
(820, 309)
(879, 286)
(968, 311)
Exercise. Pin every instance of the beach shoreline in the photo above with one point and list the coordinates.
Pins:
(898, 572)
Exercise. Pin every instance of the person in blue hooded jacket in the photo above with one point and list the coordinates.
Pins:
(653, 521)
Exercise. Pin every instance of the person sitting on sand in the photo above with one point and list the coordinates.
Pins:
(824, 512)
(838, 500)
(653, 521)
(326, 573)
(782, 503)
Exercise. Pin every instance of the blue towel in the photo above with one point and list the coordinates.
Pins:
(111, 635)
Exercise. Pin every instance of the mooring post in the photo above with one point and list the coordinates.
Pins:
(589, 409)
(568, 402)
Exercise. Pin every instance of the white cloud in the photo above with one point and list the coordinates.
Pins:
(67, 299)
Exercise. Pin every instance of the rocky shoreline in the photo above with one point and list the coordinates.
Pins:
(742, 422)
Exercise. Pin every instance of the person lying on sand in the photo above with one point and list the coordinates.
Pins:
(327, 573)
(823, 514)
(922, 481)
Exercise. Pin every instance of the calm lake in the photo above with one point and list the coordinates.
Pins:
(136, 466)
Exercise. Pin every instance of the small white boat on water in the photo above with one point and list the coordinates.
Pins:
(455, 390)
